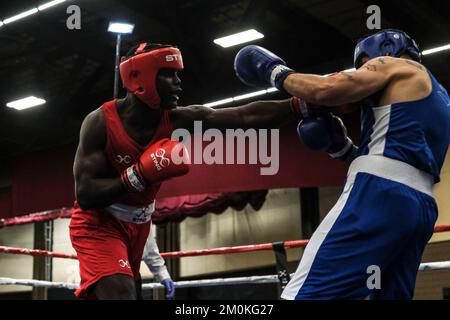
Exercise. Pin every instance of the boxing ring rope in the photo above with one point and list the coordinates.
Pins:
(37, 217)
(190, 253)
(444, 265)
(67, 212)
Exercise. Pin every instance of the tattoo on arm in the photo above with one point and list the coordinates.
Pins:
(370, 67)
(414, 64)
(381, 60)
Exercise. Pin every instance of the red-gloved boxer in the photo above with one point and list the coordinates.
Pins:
(124, 155)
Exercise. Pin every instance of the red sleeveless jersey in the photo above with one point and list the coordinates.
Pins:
(122, 151)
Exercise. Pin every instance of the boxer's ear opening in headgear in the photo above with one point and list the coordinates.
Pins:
(140, 66)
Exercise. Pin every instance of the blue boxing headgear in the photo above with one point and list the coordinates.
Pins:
(389, 42)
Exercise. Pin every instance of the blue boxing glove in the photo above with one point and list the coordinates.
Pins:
(341, 145)
(326, 132)
(256, 66)
(170, 288)
(314, 133)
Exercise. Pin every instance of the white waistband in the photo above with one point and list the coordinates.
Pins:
(132, 214)
(394, 170)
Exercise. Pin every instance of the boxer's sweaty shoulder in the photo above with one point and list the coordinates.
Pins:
(410, 81)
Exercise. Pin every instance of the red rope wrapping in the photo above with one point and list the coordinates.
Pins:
(442, 228)
(190, 253)
(37, 217)
(35, 252)
(67, 213)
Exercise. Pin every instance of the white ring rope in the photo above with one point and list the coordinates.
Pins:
(38, 283)
(217, 282)
(444, 265)
(434, 266)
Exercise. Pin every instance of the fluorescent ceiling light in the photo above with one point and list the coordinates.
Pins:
(25, 103)
(250, 95)
(21, 16)
(438, 49)
(50, 4)
(238, 38)
(120, 27)
(219, 102)
(241, 97)
(31, 12)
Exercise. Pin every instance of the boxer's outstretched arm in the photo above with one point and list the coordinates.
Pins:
(343, 87)
(258, 115)
(93, 186)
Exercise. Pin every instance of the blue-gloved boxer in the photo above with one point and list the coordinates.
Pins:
(386, 212)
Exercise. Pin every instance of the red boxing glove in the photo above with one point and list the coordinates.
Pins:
(299, 107)
(156, 165)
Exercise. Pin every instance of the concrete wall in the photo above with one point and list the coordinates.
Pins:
(278, 219)
(14, 265)
(430, 284)
(442, 195)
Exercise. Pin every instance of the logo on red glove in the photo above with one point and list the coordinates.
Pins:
(163, 161)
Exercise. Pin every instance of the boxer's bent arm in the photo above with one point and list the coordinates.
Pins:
(94, 188)
(259, 114)
(343, 87)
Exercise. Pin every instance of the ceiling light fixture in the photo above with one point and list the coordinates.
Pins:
(238, 38)
(25, 103)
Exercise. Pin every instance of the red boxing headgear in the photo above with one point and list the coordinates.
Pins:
(139, 72)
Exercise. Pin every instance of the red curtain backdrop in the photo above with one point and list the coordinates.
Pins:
(176, 209)
(44, 181)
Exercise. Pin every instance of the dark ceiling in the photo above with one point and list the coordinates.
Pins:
(73, 69)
